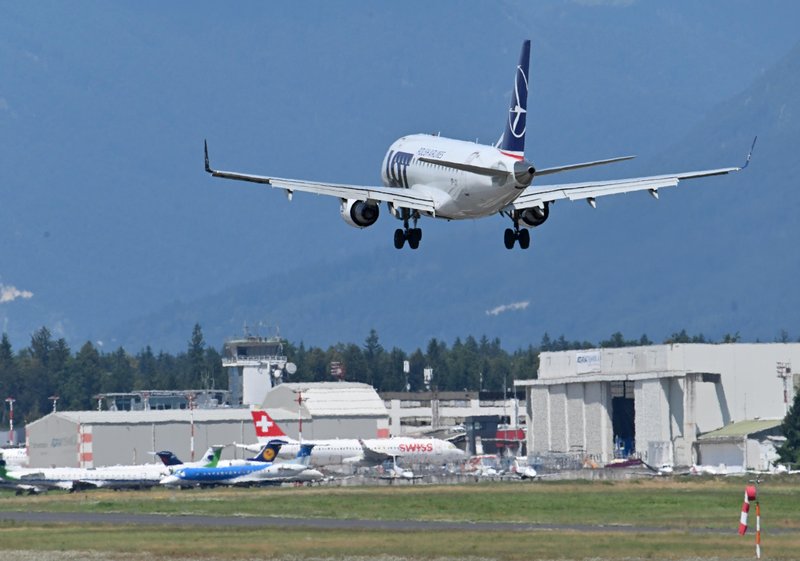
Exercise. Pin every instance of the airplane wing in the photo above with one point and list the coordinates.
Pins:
(374, 456)
(589, 191)
(401, 198)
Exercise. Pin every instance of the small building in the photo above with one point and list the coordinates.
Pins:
(418, 412)
(741, 446)
(328, 410)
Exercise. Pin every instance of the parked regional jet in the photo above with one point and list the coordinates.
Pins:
(258, 470)
(427, 175)
(35, 480)
(357, 452)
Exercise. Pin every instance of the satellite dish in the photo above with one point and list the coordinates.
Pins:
(277, 373)
(290, 368)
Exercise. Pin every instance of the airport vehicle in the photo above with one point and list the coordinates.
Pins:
(35, 480)
(438, 177)
(261, 469)
(361, 452)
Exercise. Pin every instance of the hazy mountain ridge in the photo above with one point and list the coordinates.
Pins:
(107, 215)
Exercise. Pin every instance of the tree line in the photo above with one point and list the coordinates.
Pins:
(47, 367)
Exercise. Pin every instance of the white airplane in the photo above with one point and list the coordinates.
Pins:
(36, 480)
(358, 452)
(427, 175)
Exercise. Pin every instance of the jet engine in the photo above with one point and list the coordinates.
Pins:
(535, 216)
(359, 214)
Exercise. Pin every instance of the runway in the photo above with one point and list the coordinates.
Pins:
(326, 523)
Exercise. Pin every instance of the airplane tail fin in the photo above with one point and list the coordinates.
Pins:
(211, 457)
(168, 458)
(265, 426)
(513, 140)
(269, 452)
(304, 454)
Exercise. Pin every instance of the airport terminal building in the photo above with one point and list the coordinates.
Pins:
(653, 401)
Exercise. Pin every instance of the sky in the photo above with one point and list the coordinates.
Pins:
(107, 216)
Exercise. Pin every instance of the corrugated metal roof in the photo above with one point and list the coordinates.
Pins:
(152, 416)
(329, 399)
(742, 428)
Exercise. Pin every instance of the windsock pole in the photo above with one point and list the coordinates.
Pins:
(750, 495)
(758, 531)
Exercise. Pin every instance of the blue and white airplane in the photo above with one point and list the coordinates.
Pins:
(261, 469)
(427, 175)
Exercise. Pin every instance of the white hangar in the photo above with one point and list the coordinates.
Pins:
(653, 401)
(102, 438)
(328, 410)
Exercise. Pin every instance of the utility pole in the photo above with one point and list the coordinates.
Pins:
(784, 370)
(10, 401)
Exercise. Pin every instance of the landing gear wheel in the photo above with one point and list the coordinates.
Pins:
(399, 238)
(509, 238)
(524, 237)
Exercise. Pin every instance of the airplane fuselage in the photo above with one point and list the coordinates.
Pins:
(343, 451)
(457, 194)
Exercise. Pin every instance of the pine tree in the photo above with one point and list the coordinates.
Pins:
(789, 452)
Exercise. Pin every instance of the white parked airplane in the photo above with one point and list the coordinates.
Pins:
(357, 452)
(35, 480)
(426, 175)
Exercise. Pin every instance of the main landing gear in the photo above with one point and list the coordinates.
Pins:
(522, 236)
(406, 234)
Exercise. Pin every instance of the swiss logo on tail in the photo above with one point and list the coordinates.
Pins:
(265, 426)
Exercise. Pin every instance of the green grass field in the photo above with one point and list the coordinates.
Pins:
(679, 507)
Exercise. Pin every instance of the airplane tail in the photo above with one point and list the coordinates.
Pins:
(269, 452)
(265, 426)
(513, 140)
(211, 457)
(168, 458)
(304, 454)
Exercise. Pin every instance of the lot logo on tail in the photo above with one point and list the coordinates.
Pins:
(513, 141)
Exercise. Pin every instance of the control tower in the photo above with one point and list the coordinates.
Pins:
(255, 365)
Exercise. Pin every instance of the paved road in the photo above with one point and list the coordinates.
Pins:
(321, 523)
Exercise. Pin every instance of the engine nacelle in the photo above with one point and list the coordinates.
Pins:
(535, 216)
(360, 214)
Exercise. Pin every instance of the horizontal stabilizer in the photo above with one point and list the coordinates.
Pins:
(548, 171)
(480, 170)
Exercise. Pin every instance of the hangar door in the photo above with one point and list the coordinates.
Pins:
(623, 418)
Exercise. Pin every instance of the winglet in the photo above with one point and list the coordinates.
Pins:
(208, 166)
(749, 154)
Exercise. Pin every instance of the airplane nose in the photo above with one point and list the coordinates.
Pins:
(169, 481)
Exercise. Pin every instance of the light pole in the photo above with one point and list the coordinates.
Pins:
(10, 401)
(191, 423)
